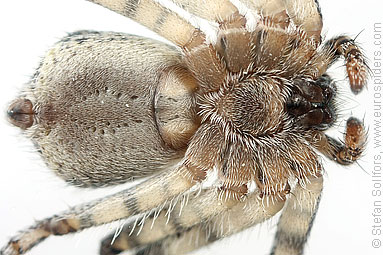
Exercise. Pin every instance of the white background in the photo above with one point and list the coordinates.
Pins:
(29, 191)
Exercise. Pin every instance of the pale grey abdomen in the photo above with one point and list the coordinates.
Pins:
(93, 96)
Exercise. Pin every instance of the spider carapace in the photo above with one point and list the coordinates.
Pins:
(250, 105)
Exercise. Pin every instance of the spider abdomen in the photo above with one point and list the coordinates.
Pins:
(90, 116)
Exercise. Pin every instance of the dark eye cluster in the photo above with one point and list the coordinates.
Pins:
(311, 103)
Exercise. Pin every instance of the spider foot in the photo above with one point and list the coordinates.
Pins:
(343, 152)
(355, 140)
(31, 237)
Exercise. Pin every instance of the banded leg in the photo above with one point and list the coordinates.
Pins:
(181, 243)
(202, 221)
(265, 7)
(307, 15)
(236, 219)
(158, 19)
(356, 65)
(174, 219)
(297, 218)
(273, 11)
(214, 10)
(346, 152)
(140, 199)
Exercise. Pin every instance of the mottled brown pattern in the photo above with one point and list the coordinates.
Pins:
(356, 66)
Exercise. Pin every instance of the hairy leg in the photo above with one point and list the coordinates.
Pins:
(136, 200)
(181, 243)
(356, 65)
(174, 219)
(306, 14)
(158, 19)
(202, 221)
(272, 12)
(297, 218)
(214, 10)
(343, 152)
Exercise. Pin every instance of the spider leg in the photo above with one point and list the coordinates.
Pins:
(201, 221)
(158, 19)
(307, 15)
(181, 243)
(356, 65)
(297, 218)
(346, 152)
(203, 152)
(217, 10)
(295, 47)
(273, 13)
(173, 219)
(133, 201)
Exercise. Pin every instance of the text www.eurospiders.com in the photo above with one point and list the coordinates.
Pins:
(376, 171)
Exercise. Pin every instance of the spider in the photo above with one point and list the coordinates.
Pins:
(240, 107)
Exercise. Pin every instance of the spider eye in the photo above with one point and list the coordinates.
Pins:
(310, 103)
(297, 105)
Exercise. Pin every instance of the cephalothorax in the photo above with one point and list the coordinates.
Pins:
(252, 105)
